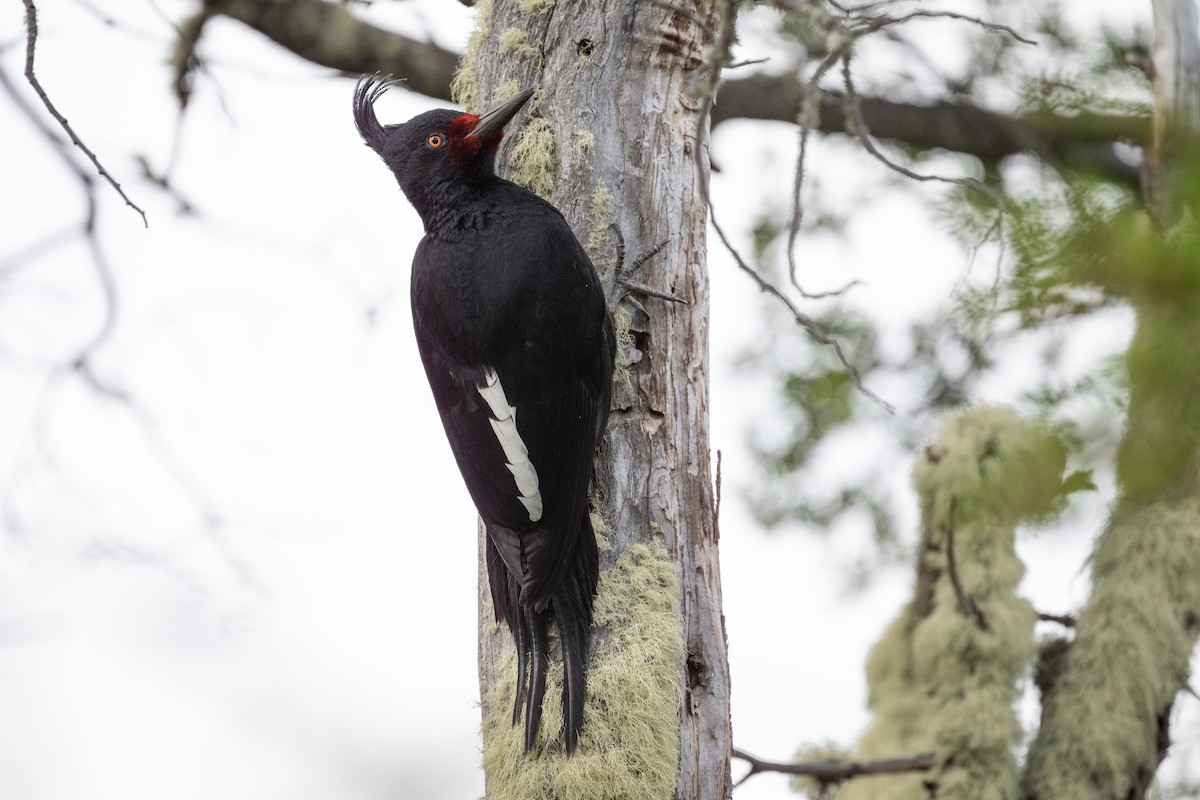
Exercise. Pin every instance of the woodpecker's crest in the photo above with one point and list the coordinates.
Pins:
(436, 147)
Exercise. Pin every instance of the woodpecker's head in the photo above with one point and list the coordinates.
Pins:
(437, 150)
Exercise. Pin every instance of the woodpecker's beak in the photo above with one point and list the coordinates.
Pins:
(498, 117)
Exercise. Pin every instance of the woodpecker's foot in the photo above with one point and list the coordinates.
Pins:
(624, 287)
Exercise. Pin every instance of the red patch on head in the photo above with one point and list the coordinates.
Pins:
(462, 125)
(463, 145)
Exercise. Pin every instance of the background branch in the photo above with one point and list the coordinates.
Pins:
(303, 26)
(31, 37)
(1083, 140)
(834, 771)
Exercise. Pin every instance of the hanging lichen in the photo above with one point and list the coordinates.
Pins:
(944, 676)
(464, 87)
(1130, 656)
(532, 162)
(515, 42)
(629, 746)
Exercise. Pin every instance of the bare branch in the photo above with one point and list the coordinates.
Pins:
(302, 26)
(717, 58)
(809, 118)
(747, 63)
(863, 133)
(1081, 141)
(879, 23)
(803, 320)
(865, 8)
(834, 772)
(88, 227)
(31, 36)
(970, 609)
(1066, 620)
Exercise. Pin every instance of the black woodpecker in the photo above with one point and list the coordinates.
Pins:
(518, 346)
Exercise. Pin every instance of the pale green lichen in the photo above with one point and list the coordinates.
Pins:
(585, 149)
(1108, 701)
(1021, 483)
(944, 678)
(629, 745)
(464, 87)
(622, 320)
(1130, 657)
(506, 90)
(535, 6)
(599, 526)
(809, 786)
(532, 160)
(584, 56)
(599, 231)
(515, 42)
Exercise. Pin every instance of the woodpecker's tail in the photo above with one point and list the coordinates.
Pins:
(571, 609)
(572, 606)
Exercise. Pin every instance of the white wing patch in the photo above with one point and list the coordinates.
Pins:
(504, 424)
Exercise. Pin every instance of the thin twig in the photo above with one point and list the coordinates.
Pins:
(865, 8)
(809, 118)
(103, 271)
(879, 23)
(966, 603)
(857, 124)
(803, 320)
(1066, 620)
(833, 771)
(719, 55)
(31, 36)
(748, 62)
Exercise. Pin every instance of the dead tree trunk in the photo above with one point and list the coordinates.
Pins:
(610, 138)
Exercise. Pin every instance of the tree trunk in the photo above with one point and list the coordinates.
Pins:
(1176, 83)
(610, 139)
(1106, 714)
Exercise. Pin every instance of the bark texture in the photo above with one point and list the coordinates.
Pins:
(610, 139)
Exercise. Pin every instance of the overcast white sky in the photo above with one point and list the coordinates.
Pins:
(266, 588)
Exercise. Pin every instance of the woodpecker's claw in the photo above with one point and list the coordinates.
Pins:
(623, 285)
(634, 287)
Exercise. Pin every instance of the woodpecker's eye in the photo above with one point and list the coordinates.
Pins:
(435, 141)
